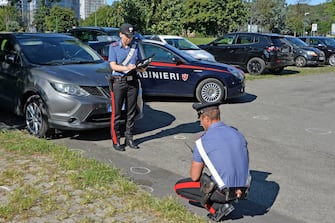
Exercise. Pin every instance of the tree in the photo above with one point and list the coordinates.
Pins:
(167, 19)
(8, 19)
(105, 16)
(60, 19)
(214, 17)
(40, 16)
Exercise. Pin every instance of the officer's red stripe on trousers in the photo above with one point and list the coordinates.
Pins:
(184, 185)
(113, 118)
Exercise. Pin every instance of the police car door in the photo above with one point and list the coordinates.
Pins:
(165, 76)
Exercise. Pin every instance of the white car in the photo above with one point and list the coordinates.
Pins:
(185, 45)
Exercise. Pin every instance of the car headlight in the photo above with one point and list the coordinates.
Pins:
(312, 53)
(236, 72)
(69, 89)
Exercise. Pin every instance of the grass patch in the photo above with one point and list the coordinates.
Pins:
(45, 181)
(294, 71)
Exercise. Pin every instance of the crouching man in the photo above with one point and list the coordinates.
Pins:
(223, 150)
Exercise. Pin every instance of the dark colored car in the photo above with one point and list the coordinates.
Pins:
(305, 55)
(326, 44)
(95, 37)
(55, 81)
(174, 73)
(252, 52)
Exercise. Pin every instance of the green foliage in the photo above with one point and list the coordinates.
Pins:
(9, 18)
(60, 19)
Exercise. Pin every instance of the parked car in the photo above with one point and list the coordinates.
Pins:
(184, 45)
(174, 73)
(326, 44)
(94, 34)
(55, 81)
(305, 55)
(252, 52)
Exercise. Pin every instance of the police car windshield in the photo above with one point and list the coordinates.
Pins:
(182, 44)
(47, 50)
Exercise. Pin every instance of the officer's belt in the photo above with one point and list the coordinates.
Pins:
(122, 78)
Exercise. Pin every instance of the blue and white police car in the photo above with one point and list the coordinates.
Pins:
(174, 73)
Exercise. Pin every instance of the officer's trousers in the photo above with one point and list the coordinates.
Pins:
(123, 91)
(190, 190)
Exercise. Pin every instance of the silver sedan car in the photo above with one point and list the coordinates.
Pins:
(55, 82)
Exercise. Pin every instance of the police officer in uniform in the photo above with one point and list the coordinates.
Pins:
(227, 150)
(122, 58)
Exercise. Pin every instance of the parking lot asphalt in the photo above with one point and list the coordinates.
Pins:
(289, 125)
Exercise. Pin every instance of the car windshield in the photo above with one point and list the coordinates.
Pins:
(296, 42)
(55, 51)
(182, 44)
(330, 42)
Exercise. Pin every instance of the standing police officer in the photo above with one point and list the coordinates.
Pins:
(226, 148)
(122, 58)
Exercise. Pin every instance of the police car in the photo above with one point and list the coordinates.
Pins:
(174, 73)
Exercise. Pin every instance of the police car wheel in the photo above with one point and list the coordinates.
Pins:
(210, 90)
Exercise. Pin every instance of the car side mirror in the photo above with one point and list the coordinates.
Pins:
(10, 58)
(177, 61)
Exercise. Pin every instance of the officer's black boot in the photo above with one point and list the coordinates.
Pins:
(130, 143)
(224, 210)
(118, 146)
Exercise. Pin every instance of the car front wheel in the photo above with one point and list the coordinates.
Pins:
(210, 90)
(36, 118)
(300, 61)
(255, 66)
(331, 60)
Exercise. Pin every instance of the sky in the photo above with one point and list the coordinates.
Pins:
(290, 2)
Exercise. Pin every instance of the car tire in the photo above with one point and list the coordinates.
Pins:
(36, 117)
(331, 60)
(255, 66)
(300, 61)
(210, 90)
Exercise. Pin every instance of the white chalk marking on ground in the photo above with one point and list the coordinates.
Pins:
(140, 170)
(261, 117)
(146, 188)
(318, 131)
(179, 137)
(4, 188)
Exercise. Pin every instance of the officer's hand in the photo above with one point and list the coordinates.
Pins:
(141, 69)
(131, 66)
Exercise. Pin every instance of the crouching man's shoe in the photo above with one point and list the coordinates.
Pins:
(119, 147)
(131, 144)
(225, 210)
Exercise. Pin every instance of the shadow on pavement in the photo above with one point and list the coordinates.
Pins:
(247, 98)
(10, 121)
(261, 196)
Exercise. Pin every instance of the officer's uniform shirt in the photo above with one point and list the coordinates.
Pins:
(118, 54)
(226, 147)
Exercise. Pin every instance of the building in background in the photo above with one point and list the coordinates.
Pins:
(82, 8)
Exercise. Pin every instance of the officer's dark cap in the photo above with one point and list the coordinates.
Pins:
(202, 107)
(127, 29)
